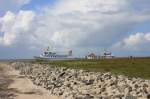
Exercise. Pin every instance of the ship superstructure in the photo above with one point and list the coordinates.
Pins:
(47, 54)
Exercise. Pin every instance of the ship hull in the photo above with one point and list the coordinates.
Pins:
(50, 58)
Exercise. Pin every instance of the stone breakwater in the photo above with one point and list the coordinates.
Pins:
(81, 84)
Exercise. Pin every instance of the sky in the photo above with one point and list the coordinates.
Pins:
(84, 26)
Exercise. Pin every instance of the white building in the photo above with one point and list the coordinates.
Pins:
(105, 55)
(91, 56)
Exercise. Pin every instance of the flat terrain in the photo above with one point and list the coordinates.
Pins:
(15, 86)
(133, 67)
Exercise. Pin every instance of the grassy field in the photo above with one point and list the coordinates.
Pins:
(135, 67)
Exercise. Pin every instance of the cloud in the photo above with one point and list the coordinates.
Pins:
(76, 24)
(135, 42)
(87, 23)
(15, 27)
(85, 6)
(11, 5)
(140, 5)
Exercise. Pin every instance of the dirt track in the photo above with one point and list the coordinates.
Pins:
(15, 86)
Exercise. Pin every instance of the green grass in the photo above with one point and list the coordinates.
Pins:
(135, 67)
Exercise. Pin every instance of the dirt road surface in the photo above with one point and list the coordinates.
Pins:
(15, 86)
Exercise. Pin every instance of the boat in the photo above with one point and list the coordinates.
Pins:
(51, 55)
(107, 55)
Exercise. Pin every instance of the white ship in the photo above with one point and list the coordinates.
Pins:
(50, 55)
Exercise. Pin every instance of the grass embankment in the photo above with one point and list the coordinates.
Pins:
(135, 67)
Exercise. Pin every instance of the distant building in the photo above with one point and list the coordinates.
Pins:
(91, 56)
(105, 55)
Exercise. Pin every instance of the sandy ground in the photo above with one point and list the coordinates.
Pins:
(15, 86)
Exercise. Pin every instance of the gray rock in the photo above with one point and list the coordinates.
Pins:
(130, 97)
(81, 84)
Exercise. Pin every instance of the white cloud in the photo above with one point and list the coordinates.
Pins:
(137, 41)
(74, 24)
(15, 27)
(85, 6)
(147, 37)
(90, 23)
(134, 39)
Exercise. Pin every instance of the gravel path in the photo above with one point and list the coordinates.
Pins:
(15, 86)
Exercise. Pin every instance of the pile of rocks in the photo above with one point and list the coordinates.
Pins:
(82, 84)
